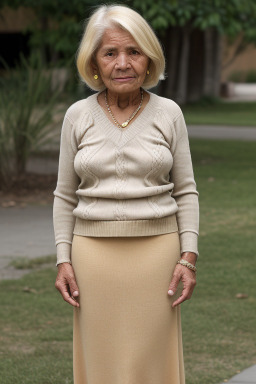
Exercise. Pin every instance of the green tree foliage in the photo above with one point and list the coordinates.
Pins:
(186, 24)
(228, 17)
(182, 25)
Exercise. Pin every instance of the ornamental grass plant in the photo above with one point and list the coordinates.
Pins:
(27, 108)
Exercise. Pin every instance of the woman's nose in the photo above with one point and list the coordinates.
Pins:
(122, 61)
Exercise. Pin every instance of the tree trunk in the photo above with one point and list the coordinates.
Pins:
(181, 94)
(196, 66)
(208, 62)
(212, 66)
(217, 63)
(171, 45)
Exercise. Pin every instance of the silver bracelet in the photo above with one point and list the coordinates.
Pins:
(187, 264)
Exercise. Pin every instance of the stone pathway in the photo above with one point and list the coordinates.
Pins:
(24, 232)
(242, 92)
(248, 376)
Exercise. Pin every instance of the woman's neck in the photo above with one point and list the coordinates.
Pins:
(123, 101)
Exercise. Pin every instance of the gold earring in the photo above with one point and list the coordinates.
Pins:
(96, 77)
(148, 72)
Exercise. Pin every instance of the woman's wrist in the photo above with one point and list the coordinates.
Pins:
(191, 257)
(64, 262)
(187, 264)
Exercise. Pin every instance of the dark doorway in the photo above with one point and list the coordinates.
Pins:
(11, 44)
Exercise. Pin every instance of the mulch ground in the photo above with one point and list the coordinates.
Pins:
(30, 188)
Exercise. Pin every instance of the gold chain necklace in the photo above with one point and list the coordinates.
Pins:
(123, 125)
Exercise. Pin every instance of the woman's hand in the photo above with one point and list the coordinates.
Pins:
(188, 278)
(66, 284)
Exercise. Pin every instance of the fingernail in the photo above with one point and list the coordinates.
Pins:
(170, 292)
(75, 293)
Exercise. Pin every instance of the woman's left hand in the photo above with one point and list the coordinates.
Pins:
(188, 278)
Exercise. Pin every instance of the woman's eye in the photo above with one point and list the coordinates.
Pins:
(134, 52)
(109, 54)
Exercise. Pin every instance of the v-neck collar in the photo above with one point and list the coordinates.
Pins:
(99, 113)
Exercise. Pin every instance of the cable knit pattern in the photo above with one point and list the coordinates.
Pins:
(133, 181)
(157, 161)
(120, 184)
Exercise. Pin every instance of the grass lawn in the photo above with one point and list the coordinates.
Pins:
(221, 113)
(219, 330)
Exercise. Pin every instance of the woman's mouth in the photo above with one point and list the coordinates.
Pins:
(123, 79)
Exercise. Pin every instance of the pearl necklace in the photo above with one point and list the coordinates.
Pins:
(123, 125)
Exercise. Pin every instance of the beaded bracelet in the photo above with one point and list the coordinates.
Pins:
(187, 264)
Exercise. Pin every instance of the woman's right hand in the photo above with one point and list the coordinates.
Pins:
(66, 284)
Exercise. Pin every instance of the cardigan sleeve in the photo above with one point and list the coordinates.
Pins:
(185, 190)
(65, 198)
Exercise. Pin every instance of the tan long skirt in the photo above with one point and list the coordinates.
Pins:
(125, 331)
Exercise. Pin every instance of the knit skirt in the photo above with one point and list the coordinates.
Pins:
(125, 331)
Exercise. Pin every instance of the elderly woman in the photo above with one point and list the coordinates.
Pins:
(125, 210)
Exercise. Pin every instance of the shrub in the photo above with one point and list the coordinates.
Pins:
(27, 105)
(243, 76)
(251, 76)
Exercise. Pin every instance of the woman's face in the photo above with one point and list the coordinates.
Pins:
(120, 62)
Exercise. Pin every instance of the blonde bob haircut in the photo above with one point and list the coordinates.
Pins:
(112, 16)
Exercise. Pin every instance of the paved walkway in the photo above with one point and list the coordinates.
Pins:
(28, 231)
(242, 92)
(24, 232)
(222, 132)
(248, 376)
